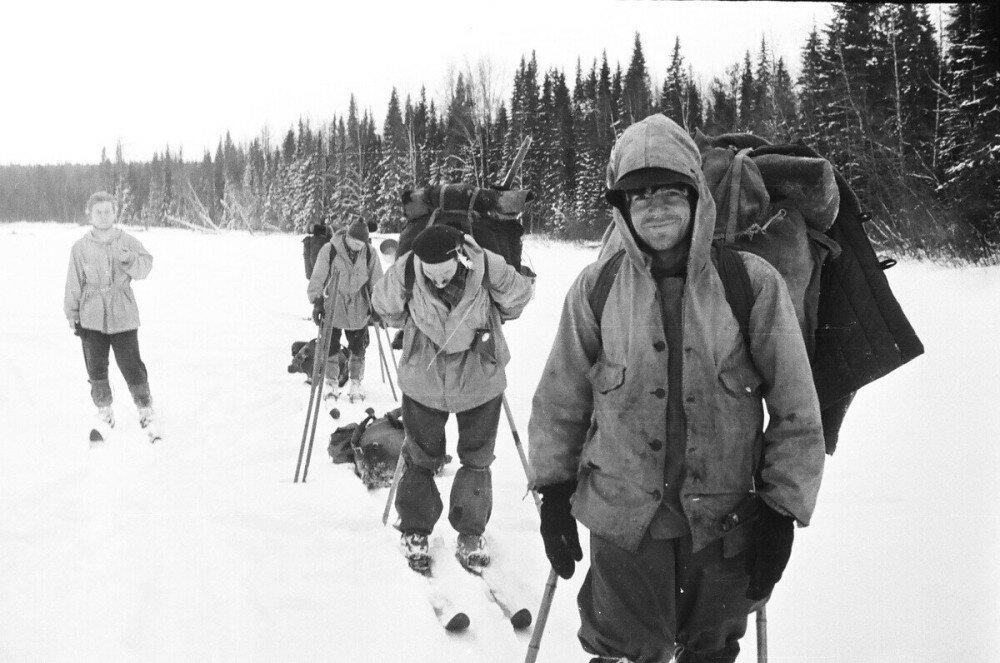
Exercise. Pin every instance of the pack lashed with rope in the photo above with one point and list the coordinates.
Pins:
(789, 206)
(489, 215)
(373, 445)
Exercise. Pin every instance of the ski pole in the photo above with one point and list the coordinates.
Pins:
(762, 634)
(396, 476)
(385, 363)
(392, 350)
(319, 370)
(327, 337)
(550, 585)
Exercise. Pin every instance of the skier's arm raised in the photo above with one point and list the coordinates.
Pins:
(389, 296)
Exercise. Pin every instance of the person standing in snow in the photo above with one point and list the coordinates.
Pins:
(101, 309)
(647, 424)
(312, 243)
(450, 297)
(340, 287)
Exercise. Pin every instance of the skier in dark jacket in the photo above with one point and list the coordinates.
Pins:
(312, 243)
(647, 425)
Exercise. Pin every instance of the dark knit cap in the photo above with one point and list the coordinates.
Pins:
(359, 231)
(649, 177)
(437, 244)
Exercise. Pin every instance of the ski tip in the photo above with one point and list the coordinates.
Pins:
(521, 619)
(95, 436)
(459, 622)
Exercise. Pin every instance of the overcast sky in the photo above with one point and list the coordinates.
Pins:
(79, 76)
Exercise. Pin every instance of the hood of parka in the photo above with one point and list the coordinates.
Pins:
(659, 142)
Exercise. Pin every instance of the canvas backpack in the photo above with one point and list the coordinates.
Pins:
(489, 215)
(789, 206)
(373, 445)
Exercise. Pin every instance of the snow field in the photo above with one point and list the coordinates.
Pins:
(201, 548)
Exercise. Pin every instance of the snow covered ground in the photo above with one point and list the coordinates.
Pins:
(201, 548)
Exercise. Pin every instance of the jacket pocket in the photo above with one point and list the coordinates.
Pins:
(606, 377)
(741, 381)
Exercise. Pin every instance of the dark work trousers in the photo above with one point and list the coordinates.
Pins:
(357, 343)
(96, 348)
(471, 503)
(644, 604)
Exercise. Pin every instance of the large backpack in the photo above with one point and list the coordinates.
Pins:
(373, 446)
(489, 215)
(789, 206)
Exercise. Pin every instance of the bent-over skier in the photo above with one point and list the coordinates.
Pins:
(450, 297)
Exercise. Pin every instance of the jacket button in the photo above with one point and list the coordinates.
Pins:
(659, 346)
(659, 392)
(657, 495)
(656, 445)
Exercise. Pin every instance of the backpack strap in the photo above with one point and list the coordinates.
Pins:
(409, 276)
(735, 184)
(736, 281)
(598, 295)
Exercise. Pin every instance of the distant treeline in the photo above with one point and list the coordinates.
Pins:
(913, 124)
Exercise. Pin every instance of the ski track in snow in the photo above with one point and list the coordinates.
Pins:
(202, 548)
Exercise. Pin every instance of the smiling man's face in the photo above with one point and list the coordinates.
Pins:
(661, 215)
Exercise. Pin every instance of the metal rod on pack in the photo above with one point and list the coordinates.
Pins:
(515, 165)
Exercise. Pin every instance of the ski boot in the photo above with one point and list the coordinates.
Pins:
(148, 422)
(416, 551)
(105, 422)
(471, 552)
(332, 389)
(106, 415)
(357, 391)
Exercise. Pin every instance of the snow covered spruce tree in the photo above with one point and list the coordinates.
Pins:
(970, 133)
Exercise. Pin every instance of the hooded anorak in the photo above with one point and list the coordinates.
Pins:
(447, 363)
(346, 283)
(599, 415)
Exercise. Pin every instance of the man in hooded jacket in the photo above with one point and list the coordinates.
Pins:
(647, 424)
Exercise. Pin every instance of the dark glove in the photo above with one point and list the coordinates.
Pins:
(562, 544)
(76, 328)
(319, 310)
(769, 551)
(376, 319)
